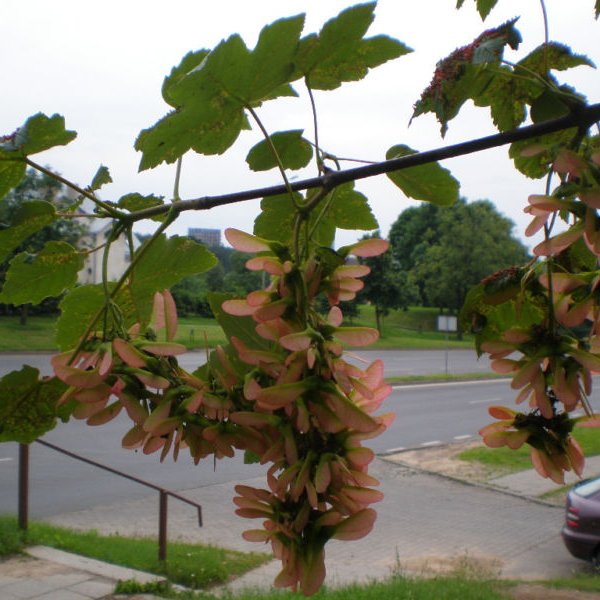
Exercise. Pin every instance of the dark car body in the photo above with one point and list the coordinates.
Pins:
(581, 531)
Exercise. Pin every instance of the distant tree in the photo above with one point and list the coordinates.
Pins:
(386, 287)
(238, 279)
(412, 232)
(38, 186)
(457, 248)
(229, 275)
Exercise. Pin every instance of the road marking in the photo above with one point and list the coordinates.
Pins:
(432, 443)
(463, 437)
(485, 401)
(5, 459)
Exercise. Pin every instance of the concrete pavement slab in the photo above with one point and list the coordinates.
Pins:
(425, 523)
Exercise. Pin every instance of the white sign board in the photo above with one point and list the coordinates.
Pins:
(447, 323)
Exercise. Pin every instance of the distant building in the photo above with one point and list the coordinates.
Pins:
(119, 257)
(208, 237)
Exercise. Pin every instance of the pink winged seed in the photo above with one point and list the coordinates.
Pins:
(244, 242)
(357, 336)
(356, 526)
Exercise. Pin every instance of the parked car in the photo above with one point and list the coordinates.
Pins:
(581, 531)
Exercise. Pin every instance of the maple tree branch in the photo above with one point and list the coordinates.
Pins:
(582, 119)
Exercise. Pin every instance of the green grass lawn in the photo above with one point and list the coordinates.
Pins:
(38, 334)
(396, 588)
(199, 332)
(505, 460)
(192, 565)
(411, 329)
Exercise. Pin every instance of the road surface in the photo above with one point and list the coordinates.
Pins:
(426, 415)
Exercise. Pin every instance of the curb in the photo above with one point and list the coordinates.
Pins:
(466, 482)
(90, 565)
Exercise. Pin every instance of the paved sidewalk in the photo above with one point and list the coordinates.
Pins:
(425, 523)
(49, 574)
(528, 483)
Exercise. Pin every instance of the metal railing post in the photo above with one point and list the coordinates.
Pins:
(163, 493)
(23, 486)
(162, 525)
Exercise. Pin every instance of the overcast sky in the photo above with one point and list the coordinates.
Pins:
(101, 65)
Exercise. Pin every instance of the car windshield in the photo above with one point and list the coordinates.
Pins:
(588, 488)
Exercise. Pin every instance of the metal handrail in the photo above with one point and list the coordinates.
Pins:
(163, 493)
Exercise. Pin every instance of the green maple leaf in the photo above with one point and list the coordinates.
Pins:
(210, 90)
(37, 134)
(11, 174)
(431, 182)
(27, 405)
(339, 52)
(536, 164)
(134, 202)
(165, 262)
(29, 218)
(205, 128)
(277, 217)
(343, 208)
(83, 304)
(33, 277)
(349, 209)
(293, 150)
(507, 98)
(551, 57)
(102, 177)
(465, 74)
(509, 92)
(484, 7)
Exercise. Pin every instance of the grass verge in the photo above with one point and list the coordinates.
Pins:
(580, 582)
(442, 377)
(440, 588)
(193, 565)
(504, 460)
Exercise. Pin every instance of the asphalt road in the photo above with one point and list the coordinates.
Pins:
(426, 415)
(397, 362)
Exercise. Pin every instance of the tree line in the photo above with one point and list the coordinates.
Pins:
(436, 255)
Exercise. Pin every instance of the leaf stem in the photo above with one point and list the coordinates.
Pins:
(546, 32)
(549, 265)
(111, 210)
(275, 154)
(177, 179)
(314, 201)
(313, 108)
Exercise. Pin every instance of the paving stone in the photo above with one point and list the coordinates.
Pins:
(63, 594)
(94, 588)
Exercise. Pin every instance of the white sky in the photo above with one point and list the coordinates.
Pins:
(101, 65)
